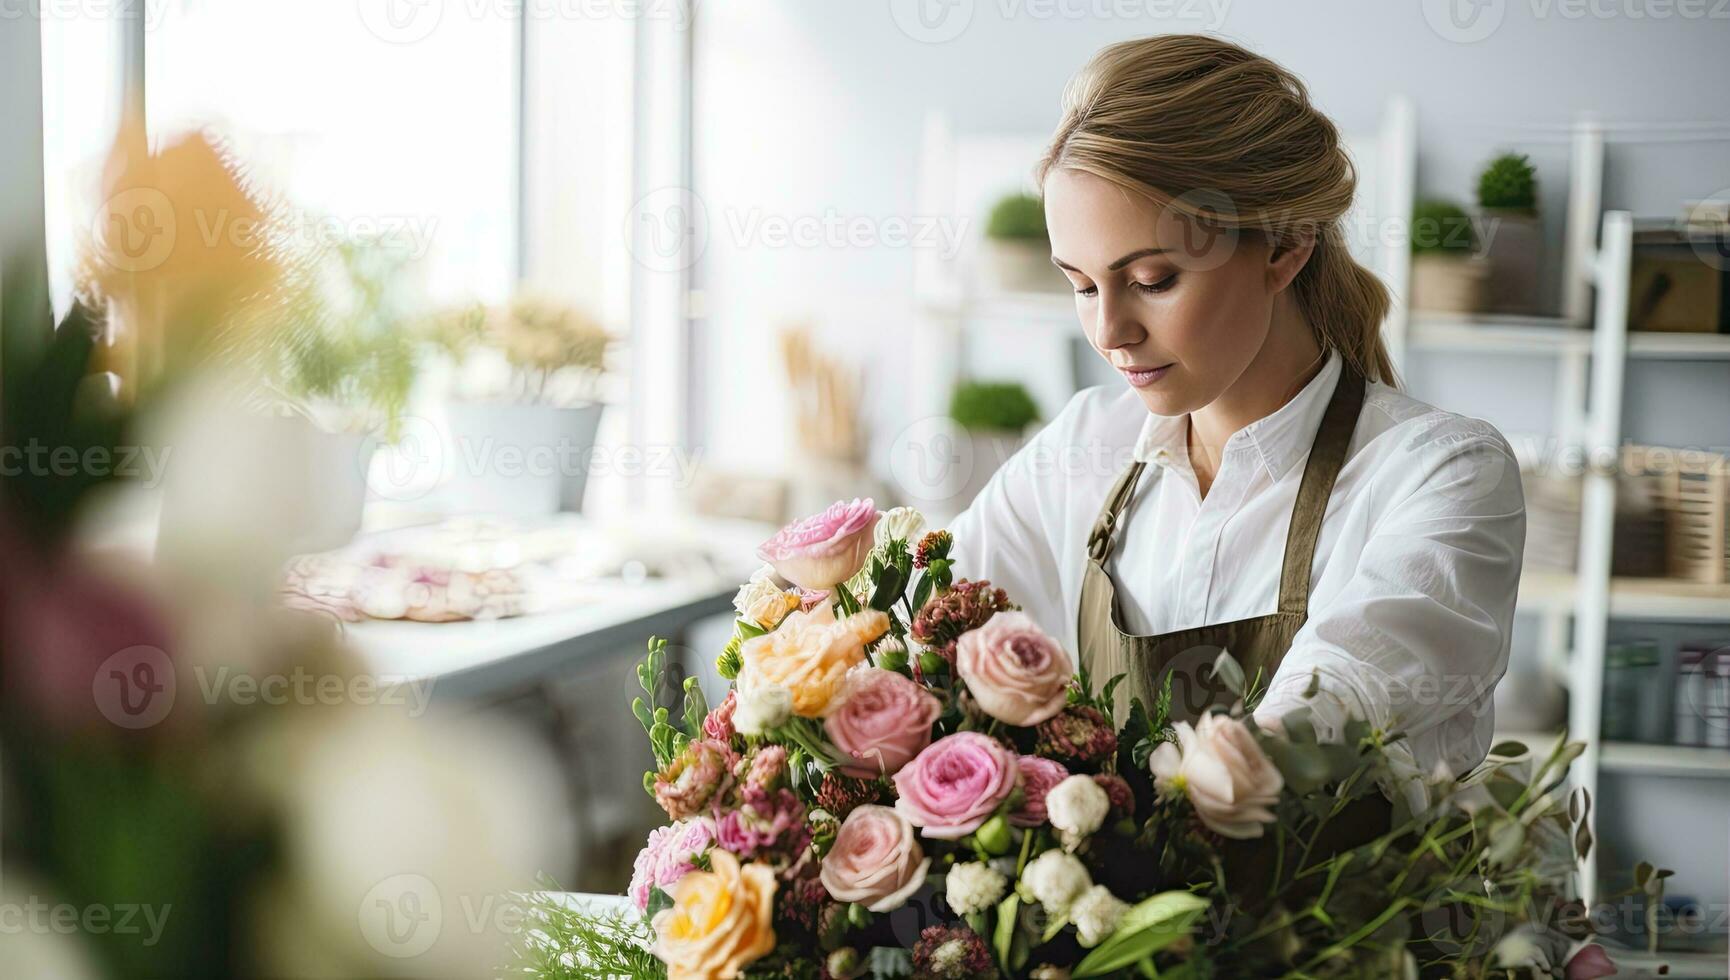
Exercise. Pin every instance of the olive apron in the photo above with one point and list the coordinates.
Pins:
(1258, 643)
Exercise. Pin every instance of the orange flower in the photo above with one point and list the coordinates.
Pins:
(719, 921)
(810, 657)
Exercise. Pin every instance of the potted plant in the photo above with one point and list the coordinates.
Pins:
(1514, 244)
(996, 416)
(1016, 255)
(527, 405)
(1447, 274)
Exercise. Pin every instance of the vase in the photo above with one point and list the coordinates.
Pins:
(518, 460)
(1448, 283)
(1514, 248)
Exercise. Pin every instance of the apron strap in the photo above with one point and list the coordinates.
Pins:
(1099, 541)
(1327, 455)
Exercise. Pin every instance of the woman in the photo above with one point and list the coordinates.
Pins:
(1257, 483)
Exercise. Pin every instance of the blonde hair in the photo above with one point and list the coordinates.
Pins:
(1231, 139)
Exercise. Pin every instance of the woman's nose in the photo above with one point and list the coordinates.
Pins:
(1115, 323)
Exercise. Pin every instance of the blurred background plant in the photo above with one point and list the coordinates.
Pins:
(1509, 182)
(554, 353)
(993, 406)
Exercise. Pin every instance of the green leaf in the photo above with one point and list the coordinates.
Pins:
(1003, 939)
(696, 707)
(890, 584)
(922, 591)
(1147, 928)
(1227, 671)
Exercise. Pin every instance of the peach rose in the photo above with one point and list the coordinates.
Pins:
(875, 860)
(819, 551)
(1228, 778)
(719, 920)
(1017, 673)
(809, 655)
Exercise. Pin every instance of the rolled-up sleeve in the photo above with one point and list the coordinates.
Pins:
(1418, 636)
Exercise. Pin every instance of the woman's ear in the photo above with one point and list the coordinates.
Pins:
(1287, 258)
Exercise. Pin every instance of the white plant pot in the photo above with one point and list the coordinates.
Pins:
(261, 488)
(1514, 248)
(1448, 283)
(521, 461)
(1018, 266)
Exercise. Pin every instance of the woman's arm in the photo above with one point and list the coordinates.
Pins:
(1418, 637)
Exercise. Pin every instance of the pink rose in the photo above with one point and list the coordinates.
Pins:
(825, 549)
(1037, 777)
(1589, 962)
(884, 720)
(670, 854)
(953, 786)
(1228, 778)
(1016, 672)
(875, 860)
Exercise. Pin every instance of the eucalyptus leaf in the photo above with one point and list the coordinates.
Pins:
(1227, 671)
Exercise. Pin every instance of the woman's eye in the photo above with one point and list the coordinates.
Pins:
(1157, 287)
(1086, 290)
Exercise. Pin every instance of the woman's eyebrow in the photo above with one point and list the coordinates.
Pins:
(1120, 263)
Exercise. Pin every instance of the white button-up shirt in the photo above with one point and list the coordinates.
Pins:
(1413, 584)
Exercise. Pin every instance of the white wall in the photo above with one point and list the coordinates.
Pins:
(22, 256)
(810, 110)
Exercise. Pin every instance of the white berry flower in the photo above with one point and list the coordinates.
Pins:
(762, 709)
(1076, 807)
(1096, 915)
(899, 522)
(974, 887)
(1054, 879)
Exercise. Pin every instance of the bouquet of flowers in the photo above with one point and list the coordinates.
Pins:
(909, 777)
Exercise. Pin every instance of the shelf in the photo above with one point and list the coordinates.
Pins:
(1630, 598)
(1665, 760)
(1549, 336)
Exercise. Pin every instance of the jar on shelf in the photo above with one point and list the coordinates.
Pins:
(1633, 693)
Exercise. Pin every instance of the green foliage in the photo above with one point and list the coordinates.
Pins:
(666, 739)
(1509, 183)
(993, 406)
(1019, 217)
(1441, 227)
(561, 942)
(338, 333)
(543, 342)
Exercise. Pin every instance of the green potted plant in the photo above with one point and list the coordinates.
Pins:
(1016, 254)
(1447, 273)
(996, 416)
(1514, 242)
(529, 385)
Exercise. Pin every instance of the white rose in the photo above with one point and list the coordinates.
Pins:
(1076, 807)
(1096, 915)
(760, 589)
(1054, 879)
(762, 709)
(899, 522)
(973, 887)
(1229, 780)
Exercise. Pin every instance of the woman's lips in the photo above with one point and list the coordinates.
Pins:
(1141, 377)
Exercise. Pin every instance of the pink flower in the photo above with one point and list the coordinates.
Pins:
(1589, 962)
(670, 853)
(718, 725)
(953, 786)
(1016, 672)
(767, 824)
(1229, 780)
(700, 773)
(822, 550)
(875, 860)
(1037, 777)
(884, 720)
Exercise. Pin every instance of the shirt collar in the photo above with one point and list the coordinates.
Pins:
(1278, 440)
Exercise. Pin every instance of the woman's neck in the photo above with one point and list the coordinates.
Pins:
(1287, 361)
